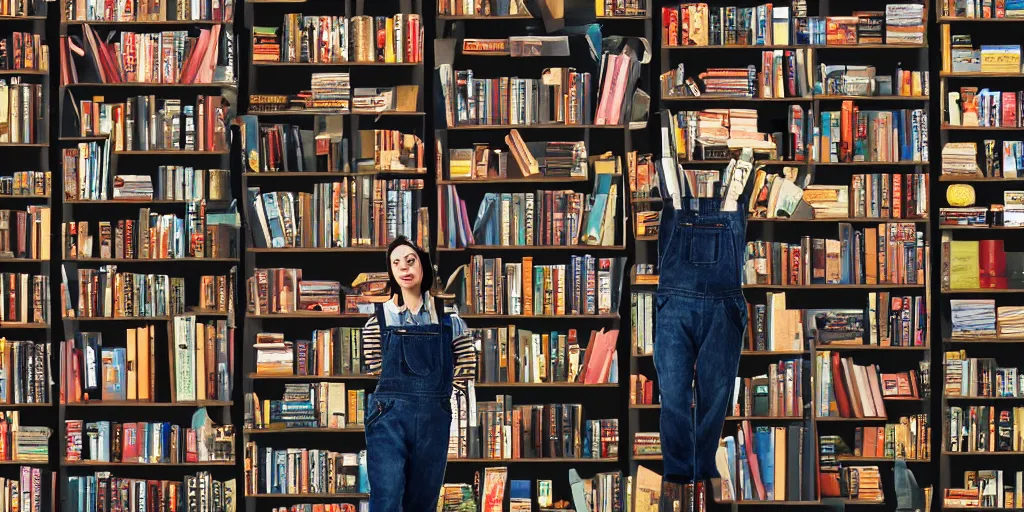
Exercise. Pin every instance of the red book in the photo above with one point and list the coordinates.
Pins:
(755, 471)
(992, 264)
(846, 132)
(842, 400)
(1009, 109)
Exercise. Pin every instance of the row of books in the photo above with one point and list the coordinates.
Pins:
(765, 463)
(150, 58)
(559, 96)
(141, 124)
(974, 264)
(282, 290)
(326, 39)
(324, 405)
(585, 286)
(980, 377)
(356, 211)
(707, 134)
(848, 390)
(24, 492)
(894, 253)
(24, 50)
(641, 390)
(981, 318)
(24, 443)
(25, 234)
(202, 364)
(973, 106)
(24, 369)
(987, 9)
(149, 442)
(909, 438)
(647, 443)
(544, 217)
(642, 318)
(501, 430)
(863, 80)
(1010, 214)
(489, 8)
(778, 393)
(328, 352)
(783, 74)
(23, 112)
(153, 236)
(961, 56)
(194, 493)
(26, 298)
(961, 159)
(854, 135)
(988, 488)
(694, 24)
(287, 471)
(86, 169)
(150, 10)
(509, 354)
(868, 196)
(26, 183)
(539, 158)
(172, 183)
(22, 8)
(984, 428)
(106, 293)
(887, 320)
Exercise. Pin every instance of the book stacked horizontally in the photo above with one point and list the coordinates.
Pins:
(960, 159)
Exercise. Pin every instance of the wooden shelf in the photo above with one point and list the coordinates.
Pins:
(711, 97)
(22, 18)
(982, 454)
(139, 202)
(648, 457)
(979, 228)
(117, 319)
(313, 174)
(29, 197)
(872, 220)
(870, 164)
(502, 181)
(136, 403)
(104, 23)
(316, 378)
(331, 113)
(646, 238)
(842, 97)
(873, 460)
(766, 503)
(20, 406)
(475, 127)
(102, 464)
(987, 340)
(837, 419)
(306, 250)
(17, 72)
(24, 462)
(305, 430)
(171, 152)
(983, 291)
(535, 460)
(149, 85)
(332, 496)
(645, 406)
(871, 348)
(973, 179)
(149, 260)
(23, 325)
(548, 385)
(301, 315)
(24, 145)
(947, 127)
(978, 74)
(273, 64)
(481, 316)
(883, 286)
(23, 260)
(799, 47)
(774, 353)
(765, 418)
(952, 19)
(572, 247)
(983, 398)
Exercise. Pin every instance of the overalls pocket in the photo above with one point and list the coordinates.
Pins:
(421, 354)
(379, 408)
(702, 242)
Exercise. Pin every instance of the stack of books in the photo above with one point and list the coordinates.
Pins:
(329, 352)
(20, 442)
(988, 488)
(317, 405)
(960, 159)
(981, 377)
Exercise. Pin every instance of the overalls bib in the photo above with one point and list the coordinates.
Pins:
(409, 417)
(701, 318)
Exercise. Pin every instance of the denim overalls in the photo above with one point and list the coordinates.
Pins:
(701, 318)
(408, 421)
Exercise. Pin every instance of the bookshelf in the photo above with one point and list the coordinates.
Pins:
(26, 195)
(994, 299)
(342, 150)
(114, 179)
(599, 400)
(772, 114)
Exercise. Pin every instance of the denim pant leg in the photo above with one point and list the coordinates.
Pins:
(425, 469)
(718, 362)
(674, 354)
(387, 453)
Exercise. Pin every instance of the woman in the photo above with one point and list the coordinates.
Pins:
(419, 355)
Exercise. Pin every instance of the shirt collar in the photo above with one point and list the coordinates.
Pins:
(397, 310)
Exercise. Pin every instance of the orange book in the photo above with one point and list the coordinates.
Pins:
(527, 286)
(846, 134)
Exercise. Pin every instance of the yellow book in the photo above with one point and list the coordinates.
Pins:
(132, 368)
(599, 7)
(389, 41)
(963, 265)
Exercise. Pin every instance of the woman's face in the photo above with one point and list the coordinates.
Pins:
(405, 266)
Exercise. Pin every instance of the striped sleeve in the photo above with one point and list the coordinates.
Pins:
(464, 352)
(371, 346)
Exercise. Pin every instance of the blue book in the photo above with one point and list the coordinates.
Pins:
(730, 452)
(519, 490)
(588, 434)
(766, 459)
(114, 373)
(364, 480)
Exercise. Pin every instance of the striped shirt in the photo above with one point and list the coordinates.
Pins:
(463, 350)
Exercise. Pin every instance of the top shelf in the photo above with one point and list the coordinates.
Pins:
(796, 47)
(476, 17)
(959, 19)
(135, 23)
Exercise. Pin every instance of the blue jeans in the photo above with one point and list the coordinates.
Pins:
(701, 318)
(408, 421)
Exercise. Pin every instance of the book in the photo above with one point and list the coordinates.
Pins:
(854, 391)
(27, 298)
(186, 494)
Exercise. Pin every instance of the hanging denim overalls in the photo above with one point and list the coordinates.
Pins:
(408, 421)
(701, 318)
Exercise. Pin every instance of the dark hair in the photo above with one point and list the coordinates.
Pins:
(428, 268)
